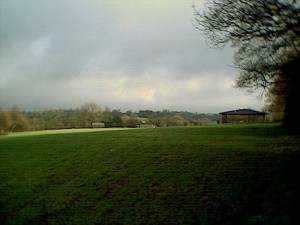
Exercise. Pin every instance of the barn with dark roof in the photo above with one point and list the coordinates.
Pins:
(243, 115)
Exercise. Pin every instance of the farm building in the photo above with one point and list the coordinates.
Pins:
(243, 115)
(98, 125)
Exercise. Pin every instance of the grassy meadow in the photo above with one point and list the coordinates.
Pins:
(218, 174)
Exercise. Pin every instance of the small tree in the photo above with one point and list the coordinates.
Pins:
(130, 120)
(117, 121)
(19, 120)
(5, 121)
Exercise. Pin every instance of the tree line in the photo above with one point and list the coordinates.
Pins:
(16, 120)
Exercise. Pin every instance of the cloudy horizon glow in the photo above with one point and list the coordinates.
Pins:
(128, 55)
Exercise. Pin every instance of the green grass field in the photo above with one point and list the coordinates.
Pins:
(218, 174)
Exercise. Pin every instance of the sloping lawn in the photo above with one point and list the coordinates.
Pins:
(222, 174)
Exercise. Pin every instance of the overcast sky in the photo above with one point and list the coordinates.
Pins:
(133, 54)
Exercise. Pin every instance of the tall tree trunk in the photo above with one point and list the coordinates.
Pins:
(292, 94)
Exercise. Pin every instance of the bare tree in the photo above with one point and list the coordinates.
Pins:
(19, 120)
(266, 37)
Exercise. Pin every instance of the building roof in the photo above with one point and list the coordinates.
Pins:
(243, 111)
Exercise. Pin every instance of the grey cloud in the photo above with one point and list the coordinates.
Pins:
(80, 33)
(47, 46)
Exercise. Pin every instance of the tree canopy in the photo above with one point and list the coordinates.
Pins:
(266, 37)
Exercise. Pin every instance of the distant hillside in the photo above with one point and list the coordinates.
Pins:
(189, 116)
